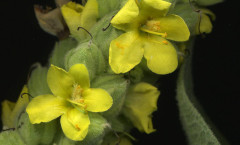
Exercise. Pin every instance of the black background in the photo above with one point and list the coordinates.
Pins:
(215, 69)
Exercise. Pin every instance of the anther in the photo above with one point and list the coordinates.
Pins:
(165, 42)
(90, 42)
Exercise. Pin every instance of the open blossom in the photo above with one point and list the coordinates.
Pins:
(147, 26)
(141, 102)
(72, 98)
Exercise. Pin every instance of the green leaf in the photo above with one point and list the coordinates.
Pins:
(60, 50)
(37, 84)
(11, 138)
(197, 130)
(116, 86)
(89, 55)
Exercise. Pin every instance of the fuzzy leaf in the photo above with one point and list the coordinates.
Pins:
(37, 84)
(116, 86)
(60, 50)
(89, 55)
(197, 130)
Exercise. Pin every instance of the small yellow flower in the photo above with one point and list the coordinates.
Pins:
(72, 98)
(141, 101)
(147, 27)
(11, 110)
(76, 16)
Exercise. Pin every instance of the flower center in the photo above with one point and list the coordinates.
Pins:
(153, 27)
(77, 97)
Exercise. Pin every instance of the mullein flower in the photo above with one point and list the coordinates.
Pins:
(11, 111)
(141, 102)
(72, 99)
(147, 27)
(76, 15)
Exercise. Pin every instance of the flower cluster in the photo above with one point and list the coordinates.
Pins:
(144, 38)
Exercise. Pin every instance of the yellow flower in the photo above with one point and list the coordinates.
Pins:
(76, 16)
(11, 110)
(147, 27)
(72, 98)
(141, 101)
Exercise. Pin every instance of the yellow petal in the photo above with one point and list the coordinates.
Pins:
(141, 101)
(75, 124)
(125, 52)
(72, 15)
(161, 55)
(7, 107)
(126, 15)
(80, 74)
(205, 25)
(170, 27)
(11, 111)
(60, 82)
(89, 14)
(160, 5)
(97, 100)
(45, 108)
(154, 8)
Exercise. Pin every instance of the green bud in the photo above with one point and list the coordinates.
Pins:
(107, 6)
(89, 55)
(116, 86)
(96, 130)
(36, 134)
(60, 50)
(11, 138)
(103, 38)
(37, 84)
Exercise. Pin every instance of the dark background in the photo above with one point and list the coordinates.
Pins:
(215, 69)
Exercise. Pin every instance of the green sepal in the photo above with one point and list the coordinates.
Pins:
(103, 38)
(96, 130)
(11, 138)
(89, 55)
(195, 125)
(60, 50)
(107, 6)
(116, 86)
(186, 12)
(37, 84)
(36, 134)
